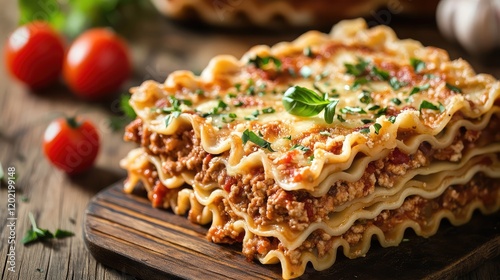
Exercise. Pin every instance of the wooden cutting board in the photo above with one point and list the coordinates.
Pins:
(124, 232)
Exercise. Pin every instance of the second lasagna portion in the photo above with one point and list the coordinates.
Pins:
(323, 142)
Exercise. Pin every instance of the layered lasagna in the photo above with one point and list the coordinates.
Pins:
(320, 145)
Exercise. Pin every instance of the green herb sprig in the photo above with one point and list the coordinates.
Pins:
(36, 234)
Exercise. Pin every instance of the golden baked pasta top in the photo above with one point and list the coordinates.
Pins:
(315, 103)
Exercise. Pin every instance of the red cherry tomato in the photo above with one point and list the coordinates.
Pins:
(71, 144)
(34, 54)
(97, 64)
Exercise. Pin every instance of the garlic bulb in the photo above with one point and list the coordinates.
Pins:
(475, 24)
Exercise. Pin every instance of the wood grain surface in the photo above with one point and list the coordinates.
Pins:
(58, 201)
(125, 232)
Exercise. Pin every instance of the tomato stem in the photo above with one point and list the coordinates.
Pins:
(72, 122)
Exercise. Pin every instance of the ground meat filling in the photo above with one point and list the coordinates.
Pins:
(179, 152)
(263, 200)
(416, 208)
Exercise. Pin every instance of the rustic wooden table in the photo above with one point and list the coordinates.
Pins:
(58, 201)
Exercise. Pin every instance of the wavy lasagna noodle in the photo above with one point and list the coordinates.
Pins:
(414, 139)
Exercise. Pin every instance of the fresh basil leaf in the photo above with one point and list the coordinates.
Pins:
(330, 111)
(254, 138)
(303, 102)
(417, 64)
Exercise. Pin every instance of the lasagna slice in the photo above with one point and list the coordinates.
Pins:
(320, 143)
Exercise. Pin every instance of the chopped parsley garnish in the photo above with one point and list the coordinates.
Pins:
(379, 73)
(229, 118)
(365, 97)
(170, 118)
(237, 86)
(417, 64)
(392, 119)
(269, 110)
(359, 82)
(289, 137)
(418, 89)
(377, 127)
(357, 69)
(428, 105)
(308, 52)
(324, 133)
(366, 121)
(260, 62)
(352, 110)
(199, 91)
(365, 130)
(238, 104)
(453, 88)
(256, 139)
(374, 107)
(395, 84)
(304, 102)
(300, 147)
(250, 118)
(305, 72)
(340, 118)
(381, 112)
(396, 101)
